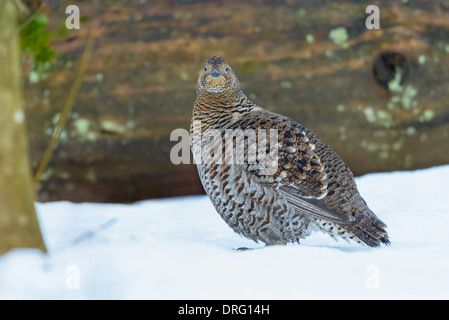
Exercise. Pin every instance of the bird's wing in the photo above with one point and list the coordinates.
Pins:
(295, 170)
(314, 207)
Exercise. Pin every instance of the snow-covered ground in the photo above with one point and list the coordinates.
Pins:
(181, 249)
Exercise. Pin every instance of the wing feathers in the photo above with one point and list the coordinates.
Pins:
(314, 207)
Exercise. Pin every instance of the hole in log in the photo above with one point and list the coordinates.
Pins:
(390, 67)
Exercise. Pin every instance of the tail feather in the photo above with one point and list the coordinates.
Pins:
(370, 230)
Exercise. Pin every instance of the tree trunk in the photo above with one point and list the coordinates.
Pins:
(19, 227)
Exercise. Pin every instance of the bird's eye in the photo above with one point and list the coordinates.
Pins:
(205, 69)
(227, 70)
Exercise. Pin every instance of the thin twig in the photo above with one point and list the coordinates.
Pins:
(67, 107)
(30, 15)
(93, 232)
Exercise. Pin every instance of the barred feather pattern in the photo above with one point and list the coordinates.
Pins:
(308, 188)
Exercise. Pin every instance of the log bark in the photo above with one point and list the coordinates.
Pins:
(378, 97)
(19, 227)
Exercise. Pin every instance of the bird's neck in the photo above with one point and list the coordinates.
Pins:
(218, 111)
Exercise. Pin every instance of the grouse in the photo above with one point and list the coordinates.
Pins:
(270, 178)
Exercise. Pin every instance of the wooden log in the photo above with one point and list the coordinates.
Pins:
(378, 97)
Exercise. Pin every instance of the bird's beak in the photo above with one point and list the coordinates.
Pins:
(215, 73)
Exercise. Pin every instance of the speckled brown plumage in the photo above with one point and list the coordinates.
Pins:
(305, 187)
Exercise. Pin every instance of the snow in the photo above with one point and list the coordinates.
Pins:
(181, 249)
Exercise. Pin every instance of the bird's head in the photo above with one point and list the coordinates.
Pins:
(217, 77)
